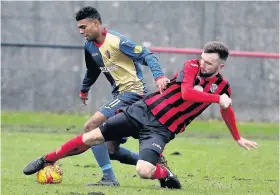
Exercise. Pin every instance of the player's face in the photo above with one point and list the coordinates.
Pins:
(210, 64)
(89, 28)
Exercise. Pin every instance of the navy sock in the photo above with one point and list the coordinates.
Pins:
(102, 157)
(125, 156)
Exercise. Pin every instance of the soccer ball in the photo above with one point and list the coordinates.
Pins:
(51, 174)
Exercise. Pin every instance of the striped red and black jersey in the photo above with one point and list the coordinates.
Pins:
(173, 111)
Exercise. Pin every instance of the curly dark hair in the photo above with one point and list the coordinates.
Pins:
(88, 12)
(217, 47)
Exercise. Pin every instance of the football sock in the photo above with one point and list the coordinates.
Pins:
(72, 147)
(160, 172)
(125, 156)
(101, 155)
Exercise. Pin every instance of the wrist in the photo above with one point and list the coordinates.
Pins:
(217, 98)
(160, 77)
(83, 94)
(237, 139)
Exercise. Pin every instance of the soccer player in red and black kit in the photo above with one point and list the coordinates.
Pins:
(157, 118)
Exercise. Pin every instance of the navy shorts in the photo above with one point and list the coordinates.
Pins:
(122, 100)
(138, 121)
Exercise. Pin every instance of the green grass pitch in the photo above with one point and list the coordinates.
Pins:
(209, 161)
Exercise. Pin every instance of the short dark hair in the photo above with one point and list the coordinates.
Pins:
(88, 12)
(217, 47)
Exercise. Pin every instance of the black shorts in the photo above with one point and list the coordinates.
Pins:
(137, 121)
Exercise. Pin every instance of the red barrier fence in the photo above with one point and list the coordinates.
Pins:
(154, 49)
(199, 51)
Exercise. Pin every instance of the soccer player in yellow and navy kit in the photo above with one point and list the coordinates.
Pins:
(119, 59)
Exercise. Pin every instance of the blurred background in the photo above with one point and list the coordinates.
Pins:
(42, 62)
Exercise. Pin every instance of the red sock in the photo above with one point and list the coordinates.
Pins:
(160, 172)
(72, 147)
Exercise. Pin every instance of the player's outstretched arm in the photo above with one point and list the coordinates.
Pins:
(90, 77)
(144, 56)
(229, 118)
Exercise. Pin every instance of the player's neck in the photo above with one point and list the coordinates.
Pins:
(101, 38)
(102, 35)
(212, 76)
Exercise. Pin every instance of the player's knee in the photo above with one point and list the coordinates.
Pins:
(144, 169)
(114, 154)
(93, 137)
(112, 148)
(86, 127)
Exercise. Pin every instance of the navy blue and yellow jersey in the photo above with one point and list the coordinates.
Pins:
(120, 60)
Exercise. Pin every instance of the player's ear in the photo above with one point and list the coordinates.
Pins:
(222, 66)
(95, 22)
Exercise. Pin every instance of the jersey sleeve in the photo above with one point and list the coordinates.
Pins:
(229, 116)
(142, 55)
(91, 74)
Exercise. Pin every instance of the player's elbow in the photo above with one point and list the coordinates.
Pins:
(187, 93)
(186, 96)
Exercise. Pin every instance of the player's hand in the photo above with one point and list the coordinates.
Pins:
(162, 83)
(225, 101)
(84, 98)
(247, 144)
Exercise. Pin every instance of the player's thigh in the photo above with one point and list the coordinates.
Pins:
(150, 148)
(94, 121)
(147, 155)
(117, 127)
(152, 141)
